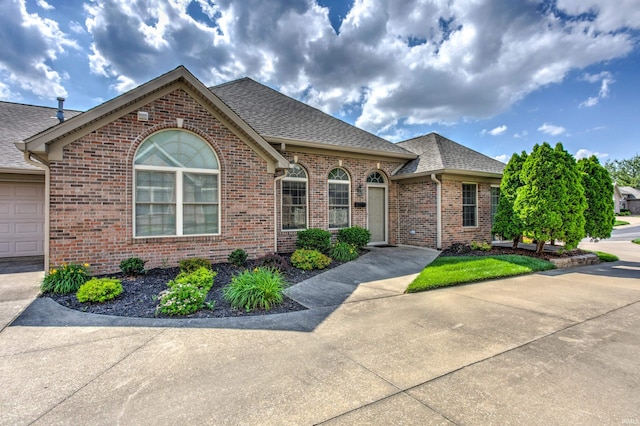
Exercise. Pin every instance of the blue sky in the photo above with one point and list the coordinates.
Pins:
(496, 75)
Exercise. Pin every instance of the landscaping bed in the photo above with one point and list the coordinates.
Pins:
(547, 254)
(140, 294)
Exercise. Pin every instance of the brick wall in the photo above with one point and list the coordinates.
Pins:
(418, 214)
(91, 193)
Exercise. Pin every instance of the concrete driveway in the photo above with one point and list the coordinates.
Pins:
(560, 347)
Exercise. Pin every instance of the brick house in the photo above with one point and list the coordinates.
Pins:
(173, 169)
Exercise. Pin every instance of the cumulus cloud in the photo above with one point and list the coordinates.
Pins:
(402, 62)
(504, 158)
(30, 44)
(605, 79)
(522, 134)
(551, 129)
(496, 131)
(585, 153)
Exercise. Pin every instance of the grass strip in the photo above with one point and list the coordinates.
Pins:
(453, 270)
(620, 222)
(636, 241)
(606, 257)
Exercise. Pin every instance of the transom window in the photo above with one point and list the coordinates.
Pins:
(294, 199)
(375, 177)
(177, 186)
(469, 204)
(339, 195)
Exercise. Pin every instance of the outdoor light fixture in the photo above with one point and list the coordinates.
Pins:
(359, 189)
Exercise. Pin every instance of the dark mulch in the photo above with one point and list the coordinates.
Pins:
(140, 294)
(465, 250)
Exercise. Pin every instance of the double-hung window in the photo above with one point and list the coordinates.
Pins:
(294, 199)
(339, 189)
(177, 186)
(469, 204)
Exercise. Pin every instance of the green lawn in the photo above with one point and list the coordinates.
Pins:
(451, 270)
(606, 257)
(620, 222)
(636, 241)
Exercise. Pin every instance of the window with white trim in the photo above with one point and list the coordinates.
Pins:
(469, 204)
(294, 199)
(339, 196)
(177, 186)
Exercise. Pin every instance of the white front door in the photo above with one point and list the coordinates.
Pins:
(377, 214)
(21, 219)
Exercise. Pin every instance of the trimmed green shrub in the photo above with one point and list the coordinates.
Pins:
(201, 278)
(624, 212)
(356, 236)
(314, 239)
(238, 257)
(181, 299)
(194, 263)
(484, 246)
(132, 266)
(99, 290)
(344, 252)
(309, 259)
(66, 279)
(273, 261)
(258, 288)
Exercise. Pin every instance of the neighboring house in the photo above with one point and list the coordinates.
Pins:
(627, 198)
(22, 198)
(173, 169)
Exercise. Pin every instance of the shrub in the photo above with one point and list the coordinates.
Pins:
(484, 246)
(132, 266)
(344, 252)
(181, 299)
(66, 279)
(201, 278)
(258, 288)
(238, 257)
(314, 239)
(309, 259)
(99, 290)
(624, 212)
(273, 261)
(356, 236)
(193, 264)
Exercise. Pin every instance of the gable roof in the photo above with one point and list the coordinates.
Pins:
(630, 192)
(18, 122)
(50, 142)
(279, 118)
(437, 154)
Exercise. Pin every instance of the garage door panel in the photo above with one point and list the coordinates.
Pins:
(21, 219)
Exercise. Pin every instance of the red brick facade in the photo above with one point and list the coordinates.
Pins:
(91, 202)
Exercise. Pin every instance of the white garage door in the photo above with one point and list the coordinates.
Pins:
(21, 219)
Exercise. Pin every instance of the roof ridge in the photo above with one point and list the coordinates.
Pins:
(38, 106)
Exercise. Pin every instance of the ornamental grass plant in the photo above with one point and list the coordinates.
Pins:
(260, 288)
(65, 279)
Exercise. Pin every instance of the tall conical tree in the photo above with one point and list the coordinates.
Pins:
(507, 224)
(551, 201)
(598, 189)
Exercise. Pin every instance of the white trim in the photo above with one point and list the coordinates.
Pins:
(339, 182)
(384, 186)
(306, 193)
(476, 205)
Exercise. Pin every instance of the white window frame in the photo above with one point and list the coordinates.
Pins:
(179, 203)
(475, 205)
(496, 205)
(306, 200)
(347, 183)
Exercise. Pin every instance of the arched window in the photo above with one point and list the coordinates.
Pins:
(375, 177)
(294, 199)
(177, 188)
(339, 199)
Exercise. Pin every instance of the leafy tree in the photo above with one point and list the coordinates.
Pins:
(625, 172)
(598, 189)
(551, 201)
(507, 224)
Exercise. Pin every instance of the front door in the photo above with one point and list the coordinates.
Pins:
(377, 214)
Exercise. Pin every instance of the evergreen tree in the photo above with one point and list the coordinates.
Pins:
(551, 201)
(598, 189)
(507, 224)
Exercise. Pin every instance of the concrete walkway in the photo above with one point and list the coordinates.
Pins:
(559, 347)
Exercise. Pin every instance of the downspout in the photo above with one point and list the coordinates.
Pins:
(47, 183)
(275, 210)
(438, 211)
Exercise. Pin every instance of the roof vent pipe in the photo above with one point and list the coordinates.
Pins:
(60, 113)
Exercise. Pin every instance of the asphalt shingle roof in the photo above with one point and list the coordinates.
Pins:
(18, 122)
(436, 152)
(272, 114)
(629, 191)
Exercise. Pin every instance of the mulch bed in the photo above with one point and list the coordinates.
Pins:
(140, 294)
(465, 250)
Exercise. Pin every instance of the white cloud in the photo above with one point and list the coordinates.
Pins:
(496, 131)
(551, 129)
(585, 153)
(503, 158)
(46, 6)
(521, 135)
(605, 80)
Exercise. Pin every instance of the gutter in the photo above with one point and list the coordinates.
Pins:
(47, 183)
(438, 211)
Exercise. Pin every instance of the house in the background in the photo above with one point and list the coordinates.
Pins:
(626, 198)
(173, 169)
